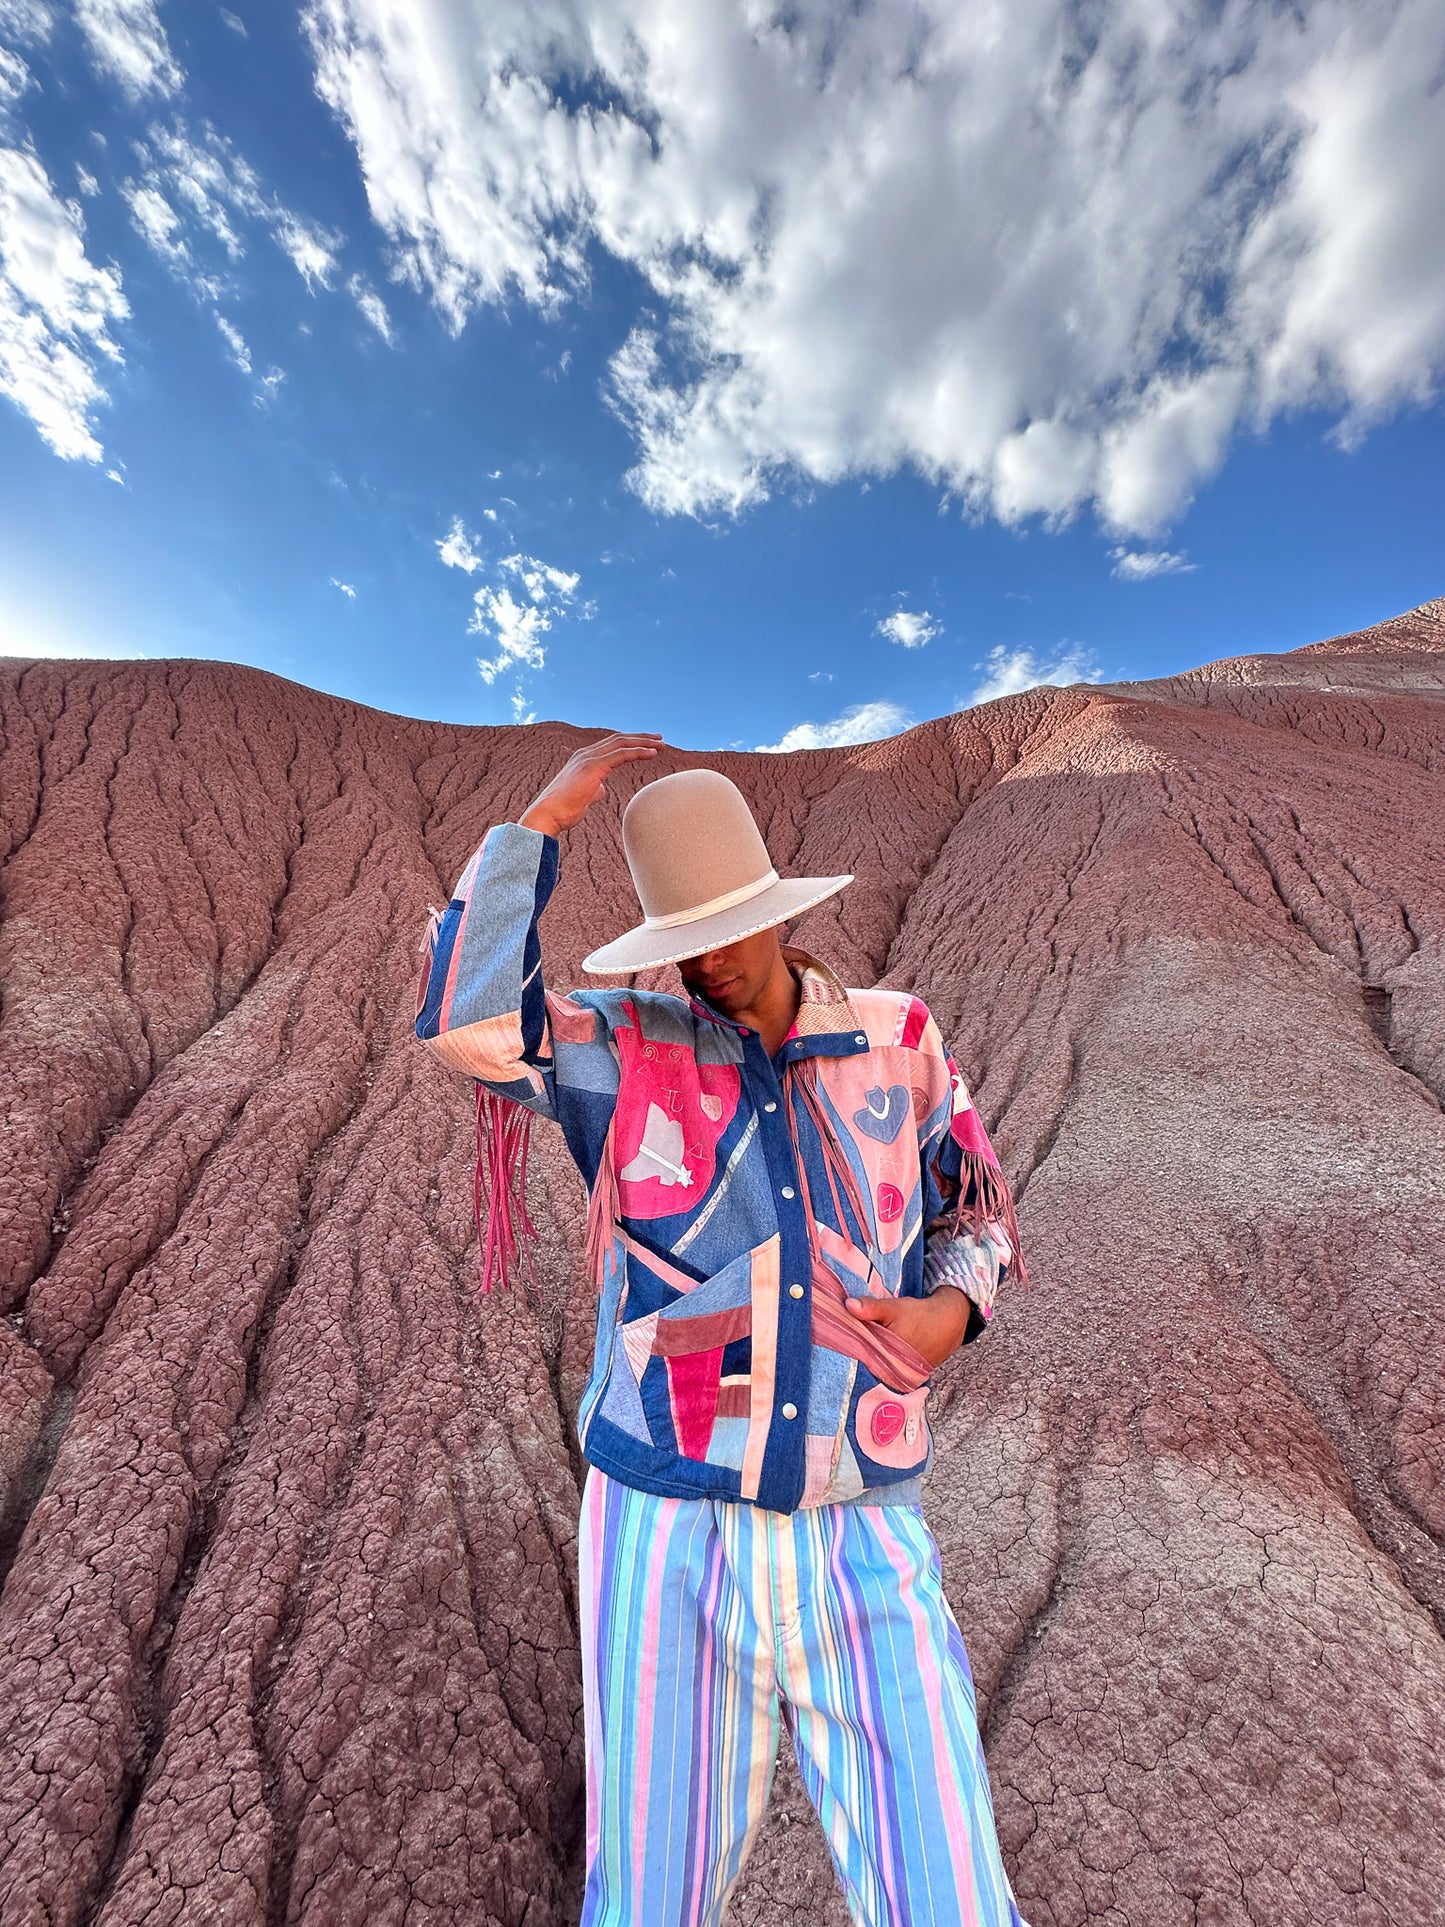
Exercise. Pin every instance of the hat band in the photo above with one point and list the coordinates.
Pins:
(724, 902)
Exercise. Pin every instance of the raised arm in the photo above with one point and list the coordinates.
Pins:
(480, 1003)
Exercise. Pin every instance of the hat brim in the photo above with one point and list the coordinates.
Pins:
(645, 947)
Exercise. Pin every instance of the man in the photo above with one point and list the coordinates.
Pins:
(794, 1216)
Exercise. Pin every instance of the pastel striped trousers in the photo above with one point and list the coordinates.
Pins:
(706, 1625)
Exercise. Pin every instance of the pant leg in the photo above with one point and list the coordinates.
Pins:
(879, 1695)
(680, 1702)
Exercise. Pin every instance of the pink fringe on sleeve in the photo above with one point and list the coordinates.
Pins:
(506, 1233)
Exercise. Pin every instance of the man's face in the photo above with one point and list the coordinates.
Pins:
(732, 979)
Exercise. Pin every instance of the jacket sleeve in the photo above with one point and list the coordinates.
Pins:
(481, 1007)
(971, 1235)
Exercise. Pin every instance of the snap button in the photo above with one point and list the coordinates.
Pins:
(860, 1040)
(788, 1191)
(770, 1105)
(790, 1410)
(795, 1291)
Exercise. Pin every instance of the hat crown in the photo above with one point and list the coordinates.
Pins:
(690, 838)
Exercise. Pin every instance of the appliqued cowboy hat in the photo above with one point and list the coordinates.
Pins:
(702, 874)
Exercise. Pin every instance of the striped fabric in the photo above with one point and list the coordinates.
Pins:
(706, 1625)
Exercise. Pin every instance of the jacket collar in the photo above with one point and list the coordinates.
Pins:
(827, 1023)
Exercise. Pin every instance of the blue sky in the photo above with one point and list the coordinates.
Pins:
(757, 381)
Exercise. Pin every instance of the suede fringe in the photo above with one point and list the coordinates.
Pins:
(505, 1235)
(984, 1193)
(602, 1209)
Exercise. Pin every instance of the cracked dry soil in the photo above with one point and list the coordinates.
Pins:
(287, 1630)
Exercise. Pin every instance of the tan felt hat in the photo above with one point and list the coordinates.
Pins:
(702, 874)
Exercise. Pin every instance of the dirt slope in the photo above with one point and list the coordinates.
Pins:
(287, 1630)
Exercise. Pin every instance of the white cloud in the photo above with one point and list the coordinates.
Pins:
(156, 221)
(372, 306)
(1007, 671)
(1139, 565)
(863, 723)
(56, 309)
(196, 192)
(310, 249)
(231, 335)
(520, 712)
(1216, 210)
(540, 579)
(128, 42)
(345, 588)
(237, 25)
(910, 630)
(820, 675)
(457, 549)
(27, 23)
(15, 77)
(86, 181)
(516, 627)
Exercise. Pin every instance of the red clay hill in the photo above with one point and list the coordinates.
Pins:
(287, 1631)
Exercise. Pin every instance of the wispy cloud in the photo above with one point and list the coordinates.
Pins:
(57, 309)
(863, 723)
(458, 549)
(516, 623)
(372, 306)
(310, 248)
(196, 194)
(345, 588)
(1008, 671)
(234, 341)
(1139, 565)
(128, 43)
(909, 629)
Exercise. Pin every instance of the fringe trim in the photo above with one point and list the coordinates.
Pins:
(602, 1209)
(504, 1138)
(984, 1193)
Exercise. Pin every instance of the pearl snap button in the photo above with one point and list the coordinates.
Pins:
(770, 1105)
(795, 1291)
(860, 1040)
(787, 1191)
(790, 1410)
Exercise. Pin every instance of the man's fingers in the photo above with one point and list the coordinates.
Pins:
(874, 1311)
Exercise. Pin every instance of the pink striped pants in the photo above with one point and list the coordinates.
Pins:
(705, 1625)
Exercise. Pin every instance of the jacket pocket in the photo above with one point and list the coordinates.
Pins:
(699, 1356)
(890, 1358)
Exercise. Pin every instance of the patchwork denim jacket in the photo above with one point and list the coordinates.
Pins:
(736, 1200)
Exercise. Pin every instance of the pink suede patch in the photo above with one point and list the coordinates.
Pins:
(693, 1379)
(671, 1111)
(914, 1024)
(891, 1427)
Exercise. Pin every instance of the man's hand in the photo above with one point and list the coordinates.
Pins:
(933, 1326)
(583, 777)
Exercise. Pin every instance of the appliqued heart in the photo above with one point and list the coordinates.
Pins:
(883, 1112)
